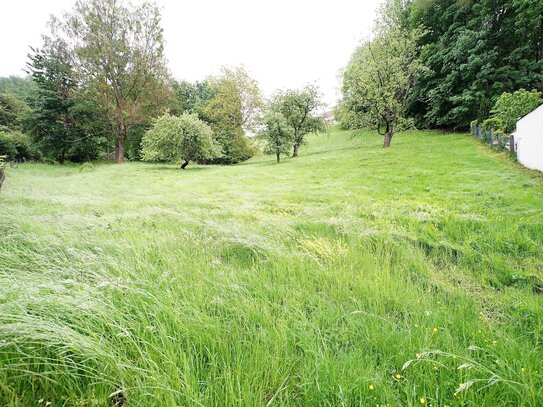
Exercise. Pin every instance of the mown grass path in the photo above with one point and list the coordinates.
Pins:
(351, 275)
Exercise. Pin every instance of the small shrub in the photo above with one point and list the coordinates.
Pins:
(494, 123)
(17, 146)
(406, 124)
(510, 107)
(473, 125)
(7, 145)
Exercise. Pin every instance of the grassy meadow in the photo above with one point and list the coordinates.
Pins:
(350, 276)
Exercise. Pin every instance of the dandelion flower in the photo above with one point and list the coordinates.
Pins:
(522, 370)
(398, 376)
(422, 400)
(434, 330)
(371, 387)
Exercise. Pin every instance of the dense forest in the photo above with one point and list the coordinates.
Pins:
(468, 53)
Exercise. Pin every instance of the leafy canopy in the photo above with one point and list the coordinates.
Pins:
(63, 124)
(118, 54)
(510, 107)
(299, 108)
(173, 138)
(475, 51)
(378, 80)
(277, 134)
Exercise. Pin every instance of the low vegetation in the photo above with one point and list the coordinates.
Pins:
(351, 275)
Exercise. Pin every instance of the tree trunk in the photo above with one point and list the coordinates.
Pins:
(2, 177)
(121, 136)
(295, 151)
(185, 163)
(388, 139)
(119, 150)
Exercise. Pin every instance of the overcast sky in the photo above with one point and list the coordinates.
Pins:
(282, 43)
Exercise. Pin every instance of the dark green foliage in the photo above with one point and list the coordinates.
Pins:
(133, 142)
(17, 146)
(11, 108)
(234, 143)
(475, 51)
(192, 97)
(64, 126)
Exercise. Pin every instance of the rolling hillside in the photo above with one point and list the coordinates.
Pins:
(351, 275)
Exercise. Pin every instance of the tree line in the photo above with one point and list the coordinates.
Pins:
(99, 87)
(443, 64)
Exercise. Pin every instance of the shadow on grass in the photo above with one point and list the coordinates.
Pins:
(176, 169)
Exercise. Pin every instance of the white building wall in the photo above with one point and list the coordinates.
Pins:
(529, 140)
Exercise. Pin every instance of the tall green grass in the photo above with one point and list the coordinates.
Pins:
(350, 276)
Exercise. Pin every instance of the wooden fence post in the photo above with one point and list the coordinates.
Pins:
(512, 144)
(491, 137)
(500, 140)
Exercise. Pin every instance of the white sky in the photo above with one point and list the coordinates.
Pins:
(282, 43)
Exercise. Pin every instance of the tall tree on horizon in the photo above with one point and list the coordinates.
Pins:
(62, 124)
(118, 54)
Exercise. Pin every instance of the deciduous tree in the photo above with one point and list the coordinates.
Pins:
(300, 110)
(179, 137)
(118, 54)
(234, 109)
(379, 78)
(277, 134)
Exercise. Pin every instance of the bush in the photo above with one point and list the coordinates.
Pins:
(11, 108)
(474, 124)
(510, 107)
(494, 123)
(17, 146)
(406, 124)
(235, 147)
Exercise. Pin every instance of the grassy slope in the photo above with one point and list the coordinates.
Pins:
(295, 284)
